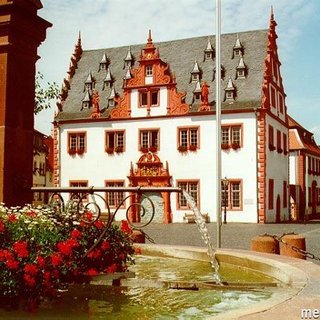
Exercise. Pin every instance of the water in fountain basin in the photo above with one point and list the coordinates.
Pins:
(204, 235)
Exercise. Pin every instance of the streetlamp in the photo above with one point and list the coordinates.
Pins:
(225, 184)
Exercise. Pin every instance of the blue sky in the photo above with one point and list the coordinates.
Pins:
(111, 23)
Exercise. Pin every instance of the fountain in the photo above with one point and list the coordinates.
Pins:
(204, 234)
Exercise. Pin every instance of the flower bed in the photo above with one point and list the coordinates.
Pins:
(41, 251)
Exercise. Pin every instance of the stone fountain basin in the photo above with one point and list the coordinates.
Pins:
(299, 279)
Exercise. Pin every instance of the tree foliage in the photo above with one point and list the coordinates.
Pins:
(44, 96)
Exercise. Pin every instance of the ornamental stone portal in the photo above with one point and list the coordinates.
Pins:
(21, 32)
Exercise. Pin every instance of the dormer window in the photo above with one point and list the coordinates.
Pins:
(197, 96)
(237, 52)
(229, 95)
(240, 73)
(89, 83)
(195, 73)
(230, 91)
(111, 103)
(197, 92)
(108, 80)
(86, 101)
(238, 49)
(149, 71)
(208, 55)
(111, 98)
(195, 77)
(128, 60)
(103, 63)
(241, 69)
(209, 51)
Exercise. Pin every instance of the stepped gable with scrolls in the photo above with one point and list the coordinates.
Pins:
(190, 62)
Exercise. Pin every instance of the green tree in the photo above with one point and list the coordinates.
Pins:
(44, 96)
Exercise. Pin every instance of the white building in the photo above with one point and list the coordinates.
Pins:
(142, 116)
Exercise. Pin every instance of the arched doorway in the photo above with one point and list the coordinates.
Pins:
(278, 209)
(150, 172)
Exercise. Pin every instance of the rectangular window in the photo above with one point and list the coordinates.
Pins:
(225, 136)
(271, 138)
(149, 71)
(149, 140)
(115, 141)
(76, 142)
(115, 198)
(77, 184)
(143, 99)
(192, 187)
(273, 97)
(154, 98)
(285, 194)
(235, 195)
(188, 138)
(281, 104)
(271, 192)
(231, 195)
(149, 98)
(236, 135)
(279, 149)
(231, 136)
(285, 144)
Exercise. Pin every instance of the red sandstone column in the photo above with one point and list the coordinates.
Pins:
(21, 32)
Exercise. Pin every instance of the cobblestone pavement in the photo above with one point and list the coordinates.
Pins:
(234, 235)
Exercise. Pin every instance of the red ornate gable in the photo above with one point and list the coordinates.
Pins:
(123, 107)
(161, 77)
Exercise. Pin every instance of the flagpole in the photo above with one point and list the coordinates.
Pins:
(218, 122)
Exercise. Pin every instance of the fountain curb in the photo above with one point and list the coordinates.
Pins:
(301, 278)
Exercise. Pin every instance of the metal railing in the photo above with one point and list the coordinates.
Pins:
(78, 205)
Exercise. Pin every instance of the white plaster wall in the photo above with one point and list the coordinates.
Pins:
(293, 168)
(277, 165)
(96, 165)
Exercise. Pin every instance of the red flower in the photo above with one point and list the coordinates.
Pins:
(92, 272)
(88, 216)
(21, 248)
(56, 259)
(99, 224)
(94, 254)
(47, 279)
(112, 268)
(1, 226)
(125, 227)
(31, 269)
(12, 217)
(41, 261)
(5, 255)
(31, 214)
(12, 264)
(105, 245)
(30, 281)
(76, 234)
(66, 247)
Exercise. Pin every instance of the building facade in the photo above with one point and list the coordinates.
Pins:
(144, 115)
(42, 165)
(304, 174)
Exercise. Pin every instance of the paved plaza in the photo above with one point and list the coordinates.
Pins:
(234, 235)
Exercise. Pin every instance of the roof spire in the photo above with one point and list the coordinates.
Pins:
(149, 37)
(271, 15)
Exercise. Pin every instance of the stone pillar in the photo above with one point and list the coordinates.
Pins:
(21, 32)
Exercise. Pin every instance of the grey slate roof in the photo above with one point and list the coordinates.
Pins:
(181, 56)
